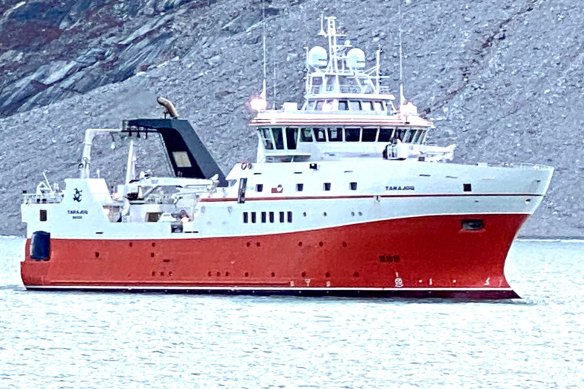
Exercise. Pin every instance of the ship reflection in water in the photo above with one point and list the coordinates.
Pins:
(93, 340)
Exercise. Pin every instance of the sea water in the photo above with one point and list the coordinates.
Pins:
(124, 340)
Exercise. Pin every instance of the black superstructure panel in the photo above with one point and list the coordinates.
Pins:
(181, 142)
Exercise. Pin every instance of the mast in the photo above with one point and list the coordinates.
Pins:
(401, 73)
(263, 94)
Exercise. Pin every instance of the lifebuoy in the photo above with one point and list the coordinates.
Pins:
(246, 165)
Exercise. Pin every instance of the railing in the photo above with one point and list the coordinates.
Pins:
(516, 165)
(43, 198)
(353, 89)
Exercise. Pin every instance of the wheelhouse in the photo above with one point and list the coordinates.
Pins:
(291, 138)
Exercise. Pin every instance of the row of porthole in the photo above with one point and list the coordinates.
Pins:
(248, 244)
(161, 273)
(269, 216)
(246, 274)
(321, 244)
(326, 186)
(389, 258)
(326, 214)
(131, 244)
(97, 254)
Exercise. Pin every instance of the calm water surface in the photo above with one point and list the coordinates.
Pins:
(100, 340)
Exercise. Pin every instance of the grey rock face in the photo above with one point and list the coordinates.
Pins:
(55, 49)
(502, 79)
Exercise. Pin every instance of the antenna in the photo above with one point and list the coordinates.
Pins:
(401, 73)
(377, 70)
(274, 63)
(263, 94)
(322, 33)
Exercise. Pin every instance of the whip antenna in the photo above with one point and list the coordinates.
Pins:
(401, 73)
(264, 47)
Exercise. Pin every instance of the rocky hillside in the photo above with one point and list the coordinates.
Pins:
(503, 79)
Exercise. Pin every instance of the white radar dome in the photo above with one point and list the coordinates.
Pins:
(317, 57)
(356, 58)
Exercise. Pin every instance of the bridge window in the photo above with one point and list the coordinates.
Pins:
(367, 105)
(330, 83)
(343, 105)
(418, 136)
(378, 106)
(355, 105)
(335, 134)
(410, 136)
(320, 134)
(369, 134)
(352, 134)
(278, 138)
(400, 134)
(291, 138)
(306, 135)
(385, 134)
(266, 136)
(322, 105)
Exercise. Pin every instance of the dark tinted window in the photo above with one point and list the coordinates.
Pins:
(369, 134)
(410, 136)
(278, 138)
(352, 134)
(306, 135)
(319, 134)
(291, 137)
(400, 134)
(267, 138)
(385, 134)
(335, 134)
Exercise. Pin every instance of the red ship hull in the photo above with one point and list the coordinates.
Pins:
(413, 257)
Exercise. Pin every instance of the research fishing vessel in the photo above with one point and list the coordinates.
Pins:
(344, 198)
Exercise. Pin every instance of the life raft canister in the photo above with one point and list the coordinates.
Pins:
(40, 246)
